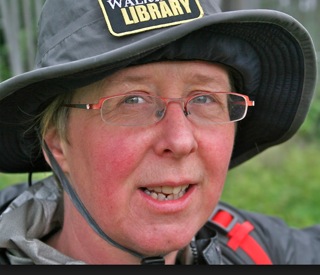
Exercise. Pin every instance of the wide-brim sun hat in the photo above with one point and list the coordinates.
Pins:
(271, 55)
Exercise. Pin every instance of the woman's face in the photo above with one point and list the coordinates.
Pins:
(121, 172)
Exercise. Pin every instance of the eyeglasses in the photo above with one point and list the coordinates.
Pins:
(137, 109)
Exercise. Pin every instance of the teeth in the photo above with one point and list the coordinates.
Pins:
(163, 193)
(171, 190)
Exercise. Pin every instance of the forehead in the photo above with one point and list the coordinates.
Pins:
(191, 69)
(162, 73)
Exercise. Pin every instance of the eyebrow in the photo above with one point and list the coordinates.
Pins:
(205, 78)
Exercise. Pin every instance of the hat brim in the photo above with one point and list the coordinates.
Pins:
(287, 80)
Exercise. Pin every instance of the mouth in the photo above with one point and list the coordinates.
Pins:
(166, 193)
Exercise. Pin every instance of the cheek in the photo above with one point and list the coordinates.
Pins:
(118, 156)
(216, 148)
(217, 145)
(106, 160)
(103, 170)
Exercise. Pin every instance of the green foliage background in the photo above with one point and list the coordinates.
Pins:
(283, 181)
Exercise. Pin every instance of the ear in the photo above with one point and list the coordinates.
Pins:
(57, 147)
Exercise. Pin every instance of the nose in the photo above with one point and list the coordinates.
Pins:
(177, 133)
(180, 101)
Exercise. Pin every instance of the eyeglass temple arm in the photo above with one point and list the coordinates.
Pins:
(248, 101)
(82, 106)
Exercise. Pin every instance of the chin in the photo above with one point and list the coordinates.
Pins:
(164, 245)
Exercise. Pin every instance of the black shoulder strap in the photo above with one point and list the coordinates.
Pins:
(239, 234)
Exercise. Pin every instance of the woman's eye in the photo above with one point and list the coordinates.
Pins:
(203, 99)
(134, 100)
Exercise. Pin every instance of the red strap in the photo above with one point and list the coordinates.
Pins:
(239, 237)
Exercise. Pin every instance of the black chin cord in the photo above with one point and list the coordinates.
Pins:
(159, 260)
(84, 212)
(30, 179)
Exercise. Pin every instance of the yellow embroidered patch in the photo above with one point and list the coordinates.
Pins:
(125, 17)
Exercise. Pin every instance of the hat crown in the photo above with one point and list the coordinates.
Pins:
(62, 41)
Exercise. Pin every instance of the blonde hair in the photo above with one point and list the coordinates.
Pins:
(56, 116)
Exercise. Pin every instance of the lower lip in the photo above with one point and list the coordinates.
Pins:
(169, 206)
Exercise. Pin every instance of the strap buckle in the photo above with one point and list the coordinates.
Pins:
(238, 234)
(224, 218)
